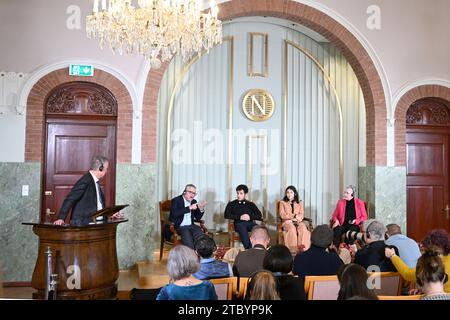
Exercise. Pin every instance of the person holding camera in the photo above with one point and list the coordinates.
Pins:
(373, 253)
(350, 212)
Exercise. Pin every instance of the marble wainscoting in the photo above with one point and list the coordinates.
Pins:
(385, 189)
(18, 243)
(136, 239)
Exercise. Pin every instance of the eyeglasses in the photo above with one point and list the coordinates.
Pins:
(192, 192)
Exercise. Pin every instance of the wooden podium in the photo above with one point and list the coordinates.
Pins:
(85, 259)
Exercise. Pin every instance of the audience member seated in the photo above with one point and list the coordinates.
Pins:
(251, 260)
(346, 253)
(209, 266)
(181, 265)
(231, 255)
(244, 213)
(350, 212)
(318, 260)
(408, 249)
(439, 238)
(353, 283)
(184, 210)
(373, 253)
(292, 213)
(431, 276)
(278, 260)
(262, 286)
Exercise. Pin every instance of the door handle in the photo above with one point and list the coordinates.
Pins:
(48, 193)
(47, 211)
(446, 210)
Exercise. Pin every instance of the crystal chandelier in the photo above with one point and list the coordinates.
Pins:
(157, 29)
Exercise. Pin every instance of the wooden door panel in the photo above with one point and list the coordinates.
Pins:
(76, 160)
(61, 192)
(424, 210)
(70, 148)
(426, 159)
(427, 182)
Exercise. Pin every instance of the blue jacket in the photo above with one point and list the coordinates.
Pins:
(211, 268)
(408, 249)
(201, 291)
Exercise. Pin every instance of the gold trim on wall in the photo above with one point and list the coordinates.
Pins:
(264, 169)
(338, 102)
(265, 67)
(230, 121)
(180, 78)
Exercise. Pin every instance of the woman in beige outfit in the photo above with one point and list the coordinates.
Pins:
(295, 232)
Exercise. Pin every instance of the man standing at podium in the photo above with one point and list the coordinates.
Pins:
(86, 196)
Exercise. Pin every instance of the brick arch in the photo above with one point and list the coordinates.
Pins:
(35, 127)
(318, 21)
(417, 93)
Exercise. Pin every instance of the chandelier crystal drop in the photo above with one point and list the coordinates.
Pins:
(157, 29)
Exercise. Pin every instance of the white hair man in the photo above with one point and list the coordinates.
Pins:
(372, 255)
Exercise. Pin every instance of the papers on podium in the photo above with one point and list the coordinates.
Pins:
(107, 212)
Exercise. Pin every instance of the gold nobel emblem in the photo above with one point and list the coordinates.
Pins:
(258, 105)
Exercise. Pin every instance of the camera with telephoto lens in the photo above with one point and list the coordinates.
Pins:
(353, 235)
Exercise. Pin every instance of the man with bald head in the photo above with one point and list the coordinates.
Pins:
(251, 260)
(408, 249)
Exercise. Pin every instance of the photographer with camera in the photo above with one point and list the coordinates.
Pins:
(350, 212)
(373, 253)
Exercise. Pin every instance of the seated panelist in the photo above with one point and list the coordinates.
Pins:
(292, 213)
(243, 212)
(350, 212)
(184, 210)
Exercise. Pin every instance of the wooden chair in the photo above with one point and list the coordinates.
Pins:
(391, 283)
(412, 297)
(280, 238)
(225, 287)
(164, 212)
(322, 287)
(241, 288)
(232, 233)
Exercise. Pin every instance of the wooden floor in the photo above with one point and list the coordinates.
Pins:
(144, 275)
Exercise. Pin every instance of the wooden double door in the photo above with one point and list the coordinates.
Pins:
(80, 123)
(427, 141)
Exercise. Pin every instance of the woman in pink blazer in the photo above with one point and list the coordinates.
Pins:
(350, 212)
(295, 232)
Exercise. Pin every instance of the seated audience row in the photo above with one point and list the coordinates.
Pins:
(436, 238)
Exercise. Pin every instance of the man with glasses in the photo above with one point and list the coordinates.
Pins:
(350, 212)
(184, 211)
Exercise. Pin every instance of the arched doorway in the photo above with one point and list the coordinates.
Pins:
(316, 20)
(80, 122)
(427, 166)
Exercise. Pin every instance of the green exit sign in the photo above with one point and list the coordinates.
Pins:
(81, 70)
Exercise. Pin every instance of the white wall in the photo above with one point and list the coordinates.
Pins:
(411, 45)
(12, 119)
(413, 42)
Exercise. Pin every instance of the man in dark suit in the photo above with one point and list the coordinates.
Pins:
(184, 210)
(86, 196)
